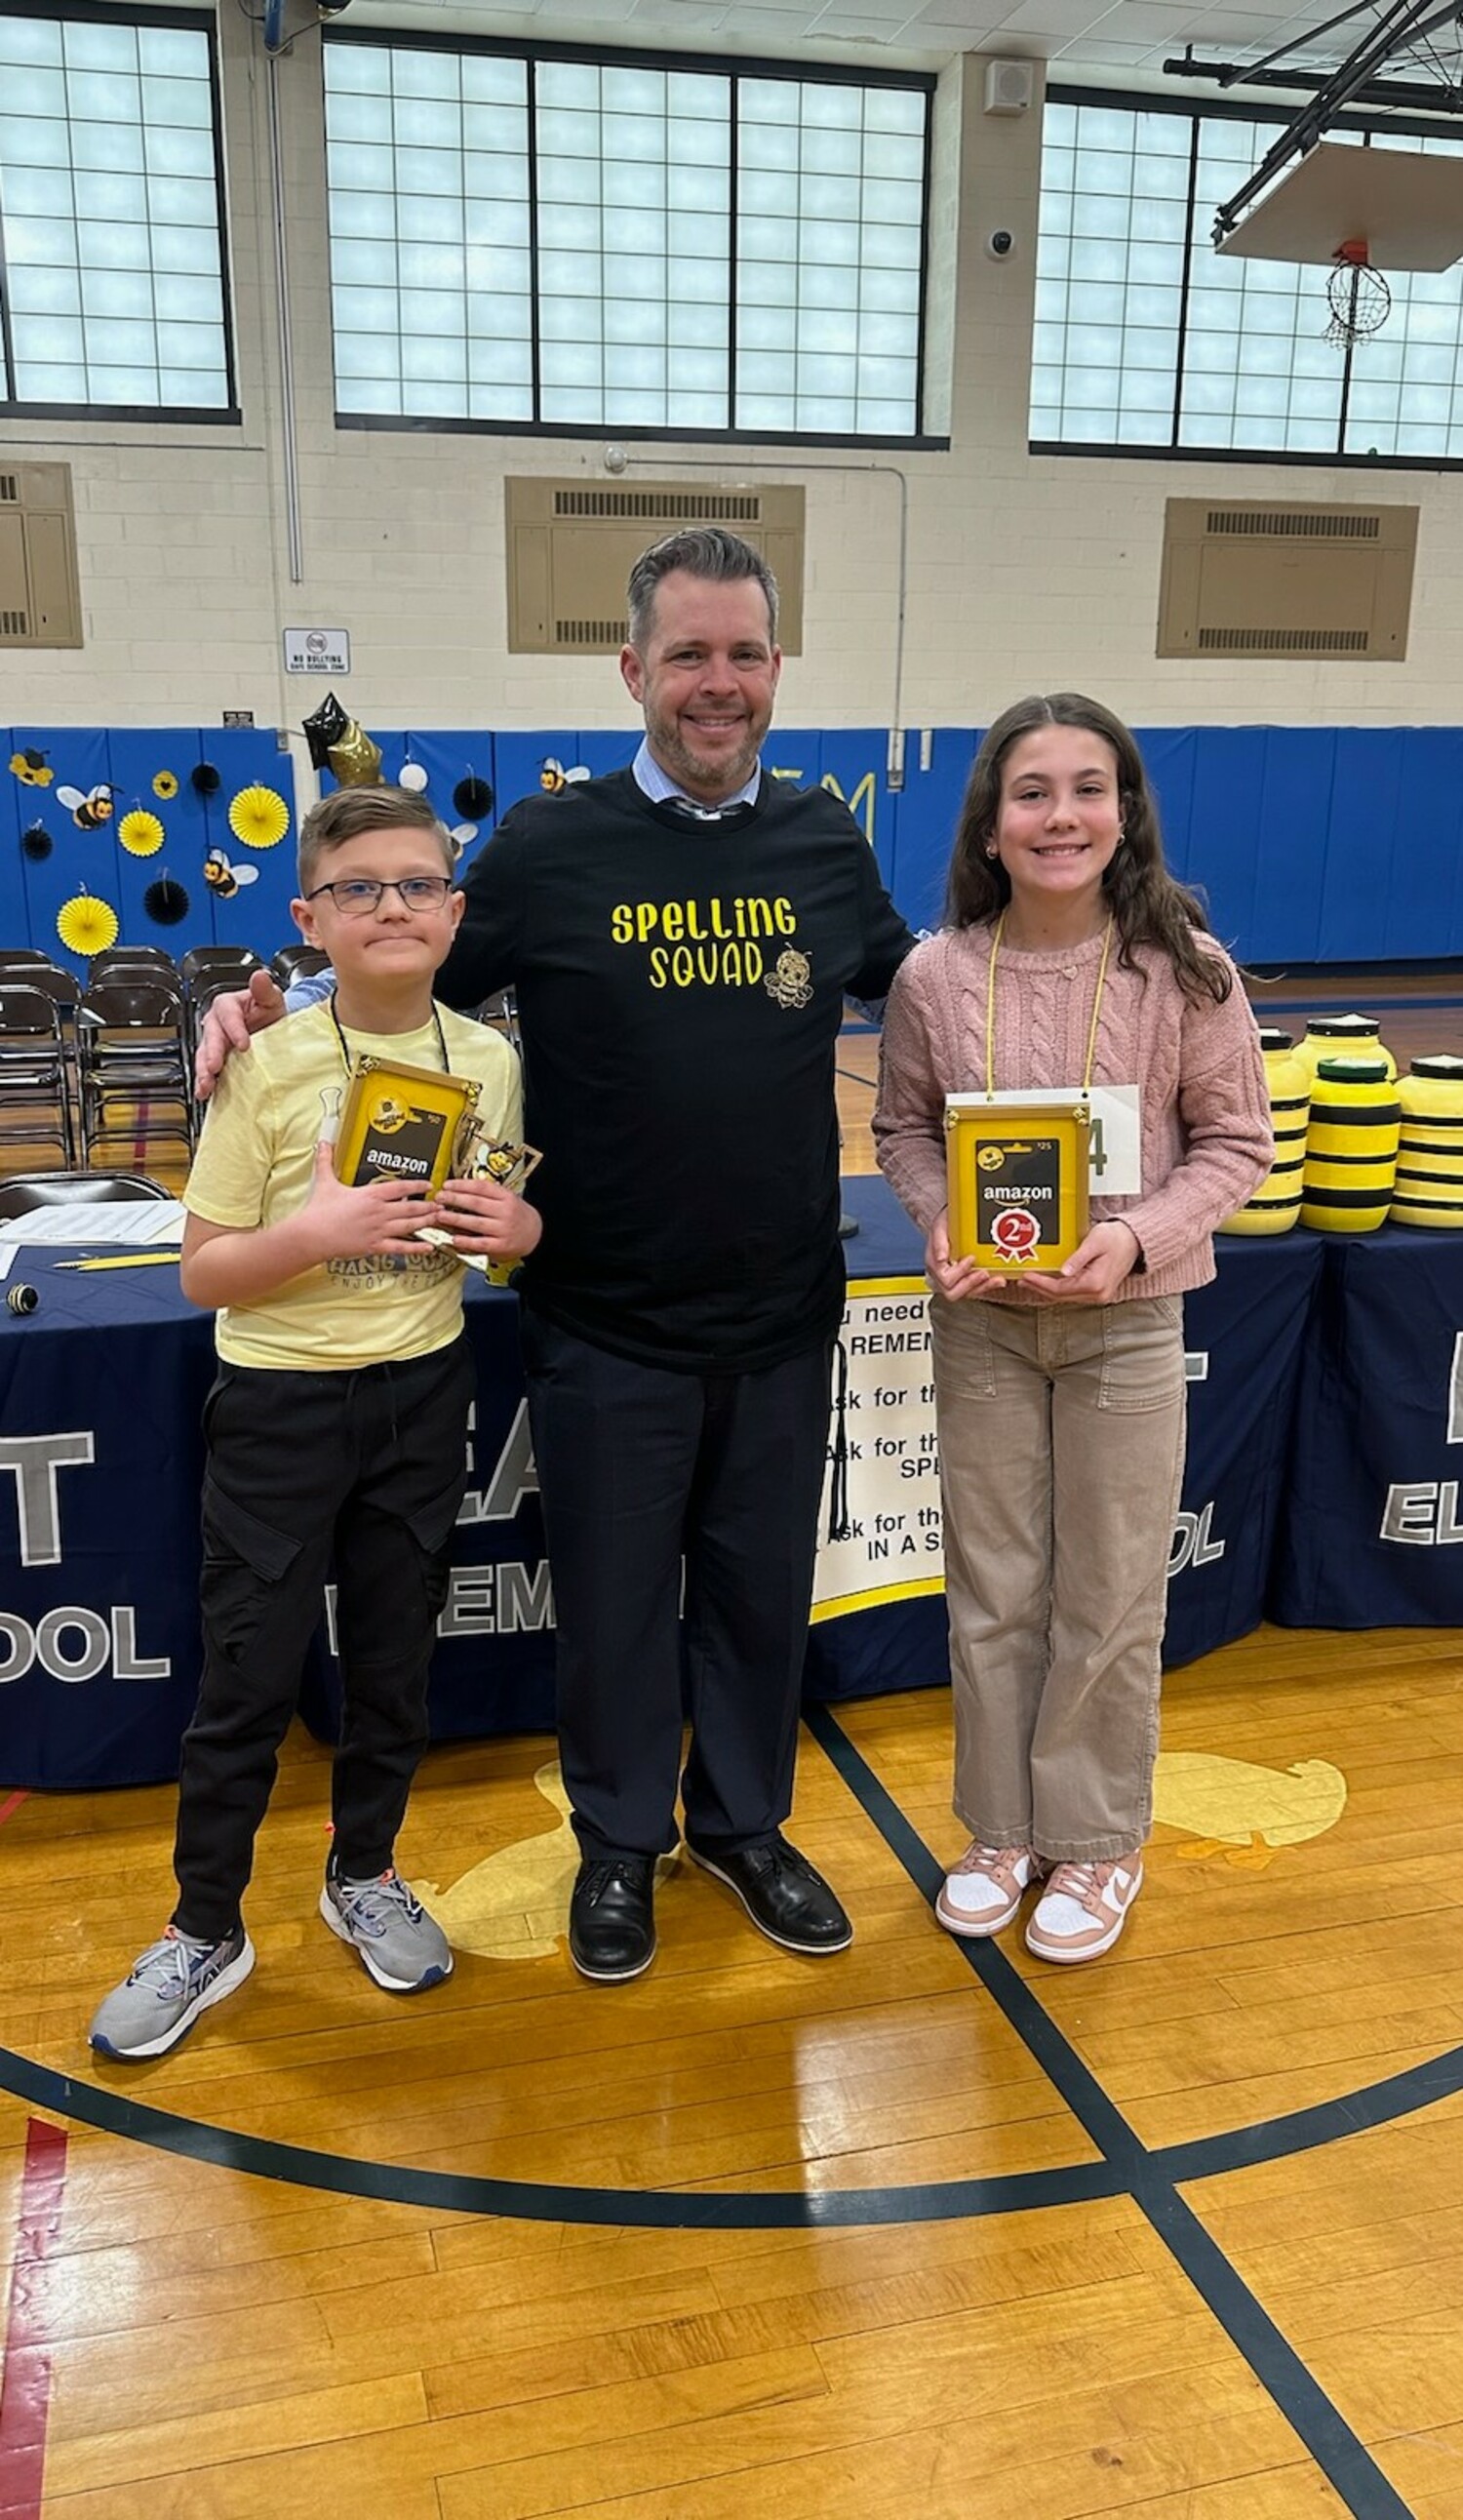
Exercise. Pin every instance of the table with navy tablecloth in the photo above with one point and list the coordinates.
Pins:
(1323, 1489)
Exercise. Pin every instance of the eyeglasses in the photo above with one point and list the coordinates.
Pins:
(360, 895)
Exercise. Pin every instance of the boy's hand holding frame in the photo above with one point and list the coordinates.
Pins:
(378, 1218)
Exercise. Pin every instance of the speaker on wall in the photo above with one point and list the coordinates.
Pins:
(1010, 87)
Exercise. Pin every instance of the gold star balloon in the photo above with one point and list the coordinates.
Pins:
(355, 759)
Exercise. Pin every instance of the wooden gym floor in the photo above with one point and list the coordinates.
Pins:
(920, 2230)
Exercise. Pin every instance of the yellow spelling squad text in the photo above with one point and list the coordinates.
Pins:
(707, 944)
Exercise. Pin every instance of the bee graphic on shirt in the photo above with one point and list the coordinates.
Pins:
(225, 879)
(553, 776)
(792, 983)
(88, 812)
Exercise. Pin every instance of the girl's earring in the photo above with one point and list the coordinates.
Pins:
(990, 848)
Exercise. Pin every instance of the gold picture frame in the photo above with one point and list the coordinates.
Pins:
(1017, 1178)
(403, 1123)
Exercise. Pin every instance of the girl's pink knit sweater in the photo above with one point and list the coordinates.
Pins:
(1206, 1119)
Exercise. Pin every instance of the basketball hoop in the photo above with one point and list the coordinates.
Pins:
(1358, 297)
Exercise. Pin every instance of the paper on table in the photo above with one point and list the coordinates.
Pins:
(7, 1259)
(139, 1220)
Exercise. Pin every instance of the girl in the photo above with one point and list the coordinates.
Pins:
(1070, 952)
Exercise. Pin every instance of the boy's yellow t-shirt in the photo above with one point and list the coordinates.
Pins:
(255, 1165)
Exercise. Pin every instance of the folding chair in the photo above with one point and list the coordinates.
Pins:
(133, 1064)
(124, 962)
(202, 962)
(35, 1104)
(23, 1192)
(293, 962)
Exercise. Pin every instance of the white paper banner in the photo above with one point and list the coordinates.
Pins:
(896, 1546)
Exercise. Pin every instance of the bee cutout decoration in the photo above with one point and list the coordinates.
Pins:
(88, 812)
(31, 767)
(225, 879)
(552, 776)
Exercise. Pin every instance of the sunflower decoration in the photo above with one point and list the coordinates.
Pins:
(31, 767)
(165, 785)
(141, 833)
(87, 924)
(259, 818)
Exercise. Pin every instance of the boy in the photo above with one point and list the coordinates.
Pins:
(337, 1424)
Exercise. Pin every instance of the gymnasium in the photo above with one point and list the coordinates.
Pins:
(348, 356)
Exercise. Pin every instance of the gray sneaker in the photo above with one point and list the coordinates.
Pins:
(174, 1981)
(402, 1947)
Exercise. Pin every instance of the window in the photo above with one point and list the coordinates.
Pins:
(111, 291)
(623, 242)
(1146, 337)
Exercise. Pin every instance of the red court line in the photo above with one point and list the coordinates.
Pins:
(25, 2376)
(11, 1806)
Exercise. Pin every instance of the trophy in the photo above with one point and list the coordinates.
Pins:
(476, 1156)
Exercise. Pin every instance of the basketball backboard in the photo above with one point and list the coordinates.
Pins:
(1406, 208)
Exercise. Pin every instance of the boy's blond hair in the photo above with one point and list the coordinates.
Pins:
(349, 811)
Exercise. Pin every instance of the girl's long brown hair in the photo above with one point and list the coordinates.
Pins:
(1148, 906)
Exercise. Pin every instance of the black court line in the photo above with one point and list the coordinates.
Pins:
(1340, 2453)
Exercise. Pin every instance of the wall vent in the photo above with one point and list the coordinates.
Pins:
(1250, 580)
(41, 596)
(597, 634)
(1298, 524)
(670, 507)
(1282, 643)
(570, 547)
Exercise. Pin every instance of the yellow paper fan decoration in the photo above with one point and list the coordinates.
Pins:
(141, 833)
(87, 924)
(259, 818)
(165, 785)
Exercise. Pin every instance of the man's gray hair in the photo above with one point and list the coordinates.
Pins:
(702, 551)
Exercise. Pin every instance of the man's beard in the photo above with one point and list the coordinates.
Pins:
(717, 779)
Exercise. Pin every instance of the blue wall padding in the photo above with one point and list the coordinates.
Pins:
(127, 761)
(1313, 844)
(925, 813)
(1422, 887)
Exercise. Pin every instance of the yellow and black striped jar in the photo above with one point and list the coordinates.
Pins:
(1430, 1158)
(1342, 1036)
(1350, 1146)
(1275, 1205)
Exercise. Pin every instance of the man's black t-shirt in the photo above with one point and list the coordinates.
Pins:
(680, 987)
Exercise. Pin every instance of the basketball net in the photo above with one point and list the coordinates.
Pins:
(1358, 297)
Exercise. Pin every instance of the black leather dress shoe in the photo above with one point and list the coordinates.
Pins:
(612, 1917)
(782, 1894)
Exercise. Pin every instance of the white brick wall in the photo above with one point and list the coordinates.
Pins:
(1022, 572)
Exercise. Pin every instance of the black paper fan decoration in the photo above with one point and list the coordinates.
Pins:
(36, 843)
(166, 901)
(473, 799)
(205, 779)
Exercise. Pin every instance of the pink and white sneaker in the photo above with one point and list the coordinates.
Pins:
(1084, 1909)
(986, 1888)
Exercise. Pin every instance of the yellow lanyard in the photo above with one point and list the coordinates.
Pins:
(1086, 1074)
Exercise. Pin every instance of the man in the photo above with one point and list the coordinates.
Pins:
(681, 936)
